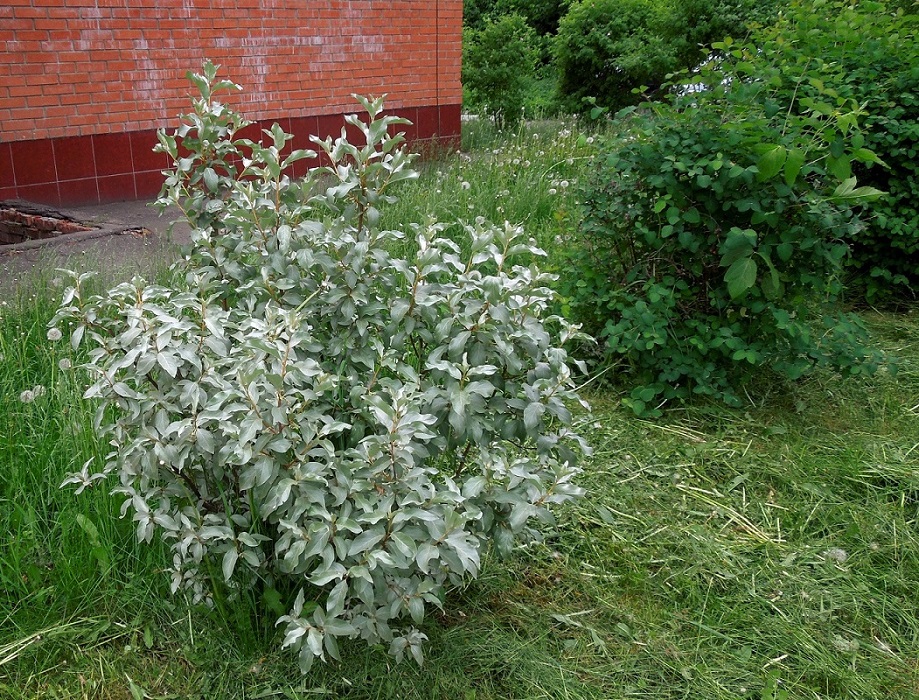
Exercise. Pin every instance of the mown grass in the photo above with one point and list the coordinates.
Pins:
(719, 554)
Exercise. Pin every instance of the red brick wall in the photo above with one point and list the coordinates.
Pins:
(85, 83)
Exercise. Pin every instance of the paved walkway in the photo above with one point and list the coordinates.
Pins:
(131, 238)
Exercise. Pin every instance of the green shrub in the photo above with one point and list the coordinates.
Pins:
(607, 48)
(869, 52)
(714, 232)
(475, 12)
(499, 65)
(313, 415)
(693, 25)
(607, 51)
(542, 15)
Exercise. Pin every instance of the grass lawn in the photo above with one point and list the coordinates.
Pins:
(768, 552)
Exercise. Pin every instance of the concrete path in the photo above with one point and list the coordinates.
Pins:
(130, 238)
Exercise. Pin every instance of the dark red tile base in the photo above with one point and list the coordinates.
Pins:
(46, 193)
(111, 167)
(113, 188)
(74, 192)
(6, 167)
(147, 184)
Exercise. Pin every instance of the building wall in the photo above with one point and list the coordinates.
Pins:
(84, 84)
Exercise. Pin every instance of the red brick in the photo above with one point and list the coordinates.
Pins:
(48, 23)
(72, 68)
(17, 24)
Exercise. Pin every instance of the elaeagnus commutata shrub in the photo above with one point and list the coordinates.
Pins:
(307, 408)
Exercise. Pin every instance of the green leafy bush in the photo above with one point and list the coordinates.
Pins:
(607, 48)
(693, 25)
(607, 51)
(499, 66)
(309, 414)
(542, 15)
(869, 52)
(715, 228)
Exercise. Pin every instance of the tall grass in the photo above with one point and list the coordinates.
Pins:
(720, 554)
(527, 176)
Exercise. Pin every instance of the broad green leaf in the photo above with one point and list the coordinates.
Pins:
(847, 191)
(793, 164)
(740, 276)
(771, 285)
(866, 156)
(840, 168)
(771, 162)
(735, 254)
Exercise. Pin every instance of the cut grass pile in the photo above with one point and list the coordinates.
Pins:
(719, 554)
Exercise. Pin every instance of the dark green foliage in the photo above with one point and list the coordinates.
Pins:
(869, 52)
(475, 12)
(605, 48)
(542, 15)
(609, 50)
(714, 231)
(866, 52)
(499, 65)
(693, 25)
(886, 252)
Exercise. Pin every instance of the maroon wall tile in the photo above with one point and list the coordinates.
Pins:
(112, 153)
(450, 120)
(33, 162)
(74, 157)
(428, 122)
(142, 155)
(329, 125)
(113, 167)
(6, 166)
(116, 188)
(410, 130)
(148, 184)
(302, 128)
(40, 194)
(85, 191)
(253, 132)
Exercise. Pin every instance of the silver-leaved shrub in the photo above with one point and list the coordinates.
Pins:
(308, 407)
